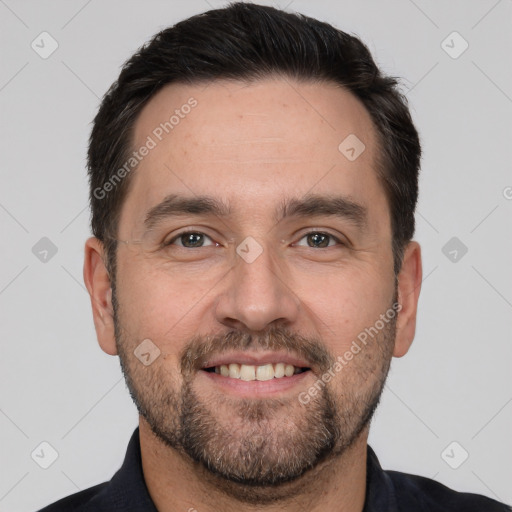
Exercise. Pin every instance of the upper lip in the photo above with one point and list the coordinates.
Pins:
(256, 359)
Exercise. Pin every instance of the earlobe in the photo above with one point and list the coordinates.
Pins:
(409, 285)
(97, 281)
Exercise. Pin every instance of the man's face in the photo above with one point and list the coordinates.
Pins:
(251, 288)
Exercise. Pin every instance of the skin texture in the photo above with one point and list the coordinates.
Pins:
(253, 145)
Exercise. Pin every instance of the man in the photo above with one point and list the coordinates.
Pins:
(253, 183)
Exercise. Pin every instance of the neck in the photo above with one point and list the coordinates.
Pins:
(175, 482)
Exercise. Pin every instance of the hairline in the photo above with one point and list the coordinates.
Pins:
(382, 164)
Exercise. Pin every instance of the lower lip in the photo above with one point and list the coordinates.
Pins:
(254, 388)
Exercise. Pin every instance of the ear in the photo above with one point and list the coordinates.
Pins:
(409, 285)
(98, 284)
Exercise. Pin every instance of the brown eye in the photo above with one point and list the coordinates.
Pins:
(189, 240)
(320, 240)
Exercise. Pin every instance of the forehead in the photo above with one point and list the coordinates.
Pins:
(245, 141)
(298, 117)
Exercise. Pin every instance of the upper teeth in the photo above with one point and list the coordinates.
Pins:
(251, 372)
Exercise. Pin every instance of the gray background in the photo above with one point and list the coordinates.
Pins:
(454, 385)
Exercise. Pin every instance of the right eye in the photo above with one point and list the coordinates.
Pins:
(189, 240)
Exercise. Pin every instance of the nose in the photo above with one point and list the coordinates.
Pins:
(257, 294)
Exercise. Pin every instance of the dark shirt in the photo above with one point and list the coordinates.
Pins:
(386, 491)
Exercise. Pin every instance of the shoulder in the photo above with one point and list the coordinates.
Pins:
(75, 502)
(423, 494)
(125, 491)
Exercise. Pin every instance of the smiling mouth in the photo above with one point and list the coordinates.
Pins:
(249, 372)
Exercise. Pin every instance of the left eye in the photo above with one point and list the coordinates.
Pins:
(320, 240)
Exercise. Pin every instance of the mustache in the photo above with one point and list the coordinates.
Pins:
(201, 348)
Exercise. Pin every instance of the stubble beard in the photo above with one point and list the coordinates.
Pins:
(258, 448)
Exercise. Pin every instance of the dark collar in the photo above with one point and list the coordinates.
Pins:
(127, 489)
(386, 491)
(380, 491)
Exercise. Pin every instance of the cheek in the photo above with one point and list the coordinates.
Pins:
(157, 292)
(144, 308)
(162, 305)
(342, 305)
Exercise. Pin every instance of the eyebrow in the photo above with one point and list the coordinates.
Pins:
(312, 205)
